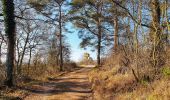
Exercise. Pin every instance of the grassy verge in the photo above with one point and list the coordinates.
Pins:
(110, 84)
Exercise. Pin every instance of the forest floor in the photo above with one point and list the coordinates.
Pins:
(69, 86)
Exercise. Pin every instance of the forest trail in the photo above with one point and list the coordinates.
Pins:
(71, 86)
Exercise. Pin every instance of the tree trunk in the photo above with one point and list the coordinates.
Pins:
(98, 51)
(1, 52)
(23, 52)
(2, 41)
(8, 13)
(99, 43)
(156, 36)
(60, 36)
(18, 69)
(29, 61)
(116, 41)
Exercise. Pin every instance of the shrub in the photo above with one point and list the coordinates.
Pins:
(166, 71)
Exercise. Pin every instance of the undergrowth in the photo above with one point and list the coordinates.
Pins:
(110, 83)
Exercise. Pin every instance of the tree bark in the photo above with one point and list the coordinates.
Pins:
(23, 52)
(29, 60)
(1, 52)
(98, 51)
(18, 69)
(156, 36)
(99, 43)
(116, 41)
(99, 35)
(8, 13)
(60, 36)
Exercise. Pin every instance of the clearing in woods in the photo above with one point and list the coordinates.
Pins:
(71, 86)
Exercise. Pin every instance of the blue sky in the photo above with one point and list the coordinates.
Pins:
(74, 41)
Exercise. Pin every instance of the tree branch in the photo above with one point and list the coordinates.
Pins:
(19, 17)
(132, 17)
(28, 18)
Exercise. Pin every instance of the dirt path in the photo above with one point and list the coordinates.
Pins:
(72, 86)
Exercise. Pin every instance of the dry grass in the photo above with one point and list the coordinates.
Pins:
(116, 81)
(108, 85)
(38, 72)
(158, 90)
(42, 72)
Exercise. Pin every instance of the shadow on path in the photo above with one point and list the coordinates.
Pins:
(72, 84)
(58, 87)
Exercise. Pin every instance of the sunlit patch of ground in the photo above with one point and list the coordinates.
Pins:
(71, 86)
